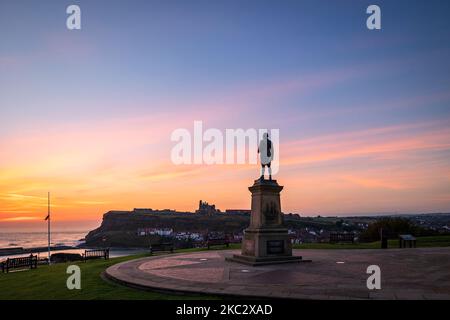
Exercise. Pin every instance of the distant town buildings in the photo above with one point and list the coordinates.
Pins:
(168, 232)
(189, 229)
(238, 211)
(301, 230)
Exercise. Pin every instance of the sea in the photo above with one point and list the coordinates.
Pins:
(29, 240)
(39, 239)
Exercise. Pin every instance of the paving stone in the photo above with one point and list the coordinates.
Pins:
(405, 274)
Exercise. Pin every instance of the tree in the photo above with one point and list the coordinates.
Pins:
(392, 228)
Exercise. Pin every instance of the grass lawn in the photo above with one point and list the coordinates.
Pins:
(49, 282)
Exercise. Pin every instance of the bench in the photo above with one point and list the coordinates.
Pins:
(20, 263)
(406, 241)
(96, 254)
(165, 246)
(217, 242)
(342, 237)
(385, 235)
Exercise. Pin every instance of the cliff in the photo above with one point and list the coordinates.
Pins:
(119, 228)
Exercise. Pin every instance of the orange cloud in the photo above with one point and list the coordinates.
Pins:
(18, 219)
(372, 142)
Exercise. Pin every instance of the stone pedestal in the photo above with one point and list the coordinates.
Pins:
(266, 240)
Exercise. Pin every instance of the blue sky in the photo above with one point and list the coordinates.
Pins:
(168, 50)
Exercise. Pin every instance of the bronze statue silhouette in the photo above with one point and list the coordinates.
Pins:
(265, 151)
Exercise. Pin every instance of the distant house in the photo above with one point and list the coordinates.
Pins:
(238, 211)
(142, 210)
(237, 237)
(293, 216)
(151, 211)
(188, 236)
(163, 232)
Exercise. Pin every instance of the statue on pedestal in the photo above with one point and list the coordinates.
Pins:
(266, 240)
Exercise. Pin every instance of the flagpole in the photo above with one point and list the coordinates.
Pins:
(48, 223)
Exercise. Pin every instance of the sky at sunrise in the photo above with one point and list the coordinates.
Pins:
(363, 115)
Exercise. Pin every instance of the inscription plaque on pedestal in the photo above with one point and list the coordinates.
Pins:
(275, 247)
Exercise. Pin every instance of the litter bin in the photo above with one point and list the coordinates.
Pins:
(384, 243)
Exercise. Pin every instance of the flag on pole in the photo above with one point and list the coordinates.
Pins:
(47, 218)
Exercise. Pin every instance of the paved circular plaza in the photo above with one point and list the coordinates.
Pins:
(422, 273)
